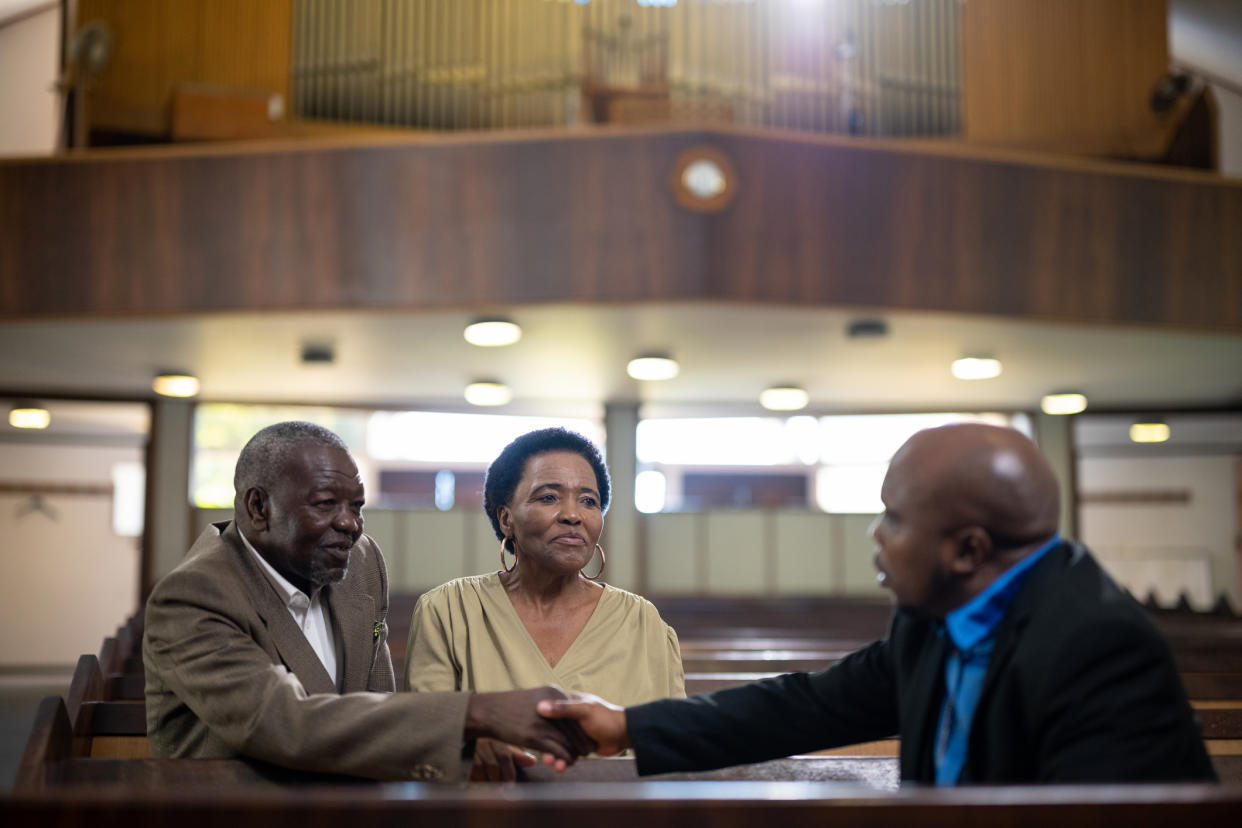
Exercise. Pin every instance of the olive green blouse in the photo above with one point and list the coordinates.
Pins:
(466, 635)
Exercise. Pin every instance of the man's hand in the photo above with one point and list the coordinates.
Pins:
(602, 721)
(511, 717)
(497, 762)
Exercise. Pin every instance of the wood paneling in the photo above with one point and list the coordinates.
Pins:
(159, 45)
(474, 221)
(821, 221)
(1063, 74)
(228, 792)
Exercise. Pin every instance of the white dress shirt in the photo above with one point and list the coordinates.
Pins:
(308, 613)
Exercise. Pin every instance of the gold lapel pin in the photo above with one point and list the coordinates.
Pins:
(375, 630)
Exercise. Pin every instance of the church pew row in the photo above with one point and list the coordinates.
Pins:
(51, 771)
(1200, 687)
(825, 627)
(212, 800)
(59, 754)
(115, 731)
(723, 657)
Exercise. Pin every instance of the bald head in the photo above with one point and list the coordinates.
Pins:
(962, 503)
(984, 475)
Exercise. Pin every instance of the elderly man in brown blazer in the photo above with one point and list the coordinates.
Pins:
(269, 641)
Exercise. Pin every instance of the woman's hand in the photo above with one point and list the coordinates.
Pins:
(497, 761)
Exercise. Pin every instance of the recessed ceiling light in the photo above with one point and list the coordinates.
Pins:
(784, 398)
(652, 367)
(976, 368)
(172, 384)
(488, 392)
(29, 415)
(1063, 403)
(1151, 431)
(492, 333)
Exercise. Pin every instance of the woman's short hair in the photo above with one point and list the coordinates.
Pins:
(505, 472)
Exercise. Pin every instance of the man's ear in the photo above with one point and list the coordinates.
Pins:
(973, 547)
(257, 505)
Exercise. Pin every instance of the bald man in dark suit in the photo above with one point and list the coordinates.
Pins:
(1012, 656)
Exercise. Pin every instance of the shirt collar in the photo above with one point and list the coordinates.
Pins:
(289, 591)
(977, 619)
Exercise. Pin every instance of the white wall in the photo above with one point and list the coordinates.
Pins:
(68, 581)
(1165, 547)
(1229, 125)
(29, 57)
(1206, 35)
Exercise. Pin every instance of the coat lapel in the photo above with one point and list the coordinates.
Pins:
(922, 706)
(1009, 632)
(354, 618)
(1008, 636)
(290, 642)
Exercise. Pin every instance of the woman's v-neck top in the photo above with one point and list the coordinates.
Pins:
(466, 635)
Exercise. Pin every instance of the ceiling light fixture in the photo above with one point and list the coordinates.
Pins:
(1150, 431)
(653, 367)
(785, 397)
(488, 392)
(492, 332)
(29, 415)
(1063, 402)
(175, 384)
(976, 368)
(867, 329)
(318, 353)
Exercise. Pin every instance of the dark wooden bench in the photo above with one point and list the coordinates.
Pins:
(652, 804)
(58, 757)
(103, 723)
(106, 724)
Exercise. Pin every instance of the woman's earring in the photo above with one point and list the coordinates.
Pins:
(602, 562)
(503, 541)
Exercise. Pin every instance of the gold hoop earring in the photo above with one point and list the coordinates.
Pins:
(503, 541)
(602, 562)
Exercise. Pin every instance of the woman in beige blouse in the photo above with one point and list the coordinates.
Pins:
(542, 619)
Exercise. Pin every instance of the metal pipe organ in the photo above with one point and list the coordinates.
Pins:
(873, 67)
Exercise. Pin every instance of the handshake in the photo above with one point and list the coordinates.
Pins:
(558, 726)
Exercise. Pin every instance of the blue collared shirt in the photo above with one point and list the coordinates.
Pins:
(972, 631)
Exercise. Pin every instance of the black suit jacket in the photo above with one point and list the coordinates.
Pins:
(1081, 687)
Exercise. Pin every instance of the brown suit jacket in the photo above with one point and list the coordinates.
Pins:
(230, 674)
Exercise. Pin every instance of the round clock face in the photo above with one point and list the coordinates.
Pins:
(704, 178)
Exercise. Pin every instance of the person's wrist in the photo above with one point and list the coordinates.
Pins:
(624, 742)
(477, 719)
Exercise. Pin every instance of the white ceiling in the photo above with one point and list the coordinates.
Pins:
(572, 359)
(95, 422)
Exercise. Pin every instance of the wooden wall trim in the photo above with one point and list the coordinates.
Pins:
(479, 221)
(1078, 77)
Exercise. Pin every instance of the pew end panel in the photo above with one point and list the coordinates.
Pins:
(50, 741)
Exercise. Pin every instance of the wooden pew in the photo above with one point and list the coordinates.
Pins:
(112, 729)
(102, 724)
(624, 804)
(715, 660)
(55, 759)
(87, 684)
